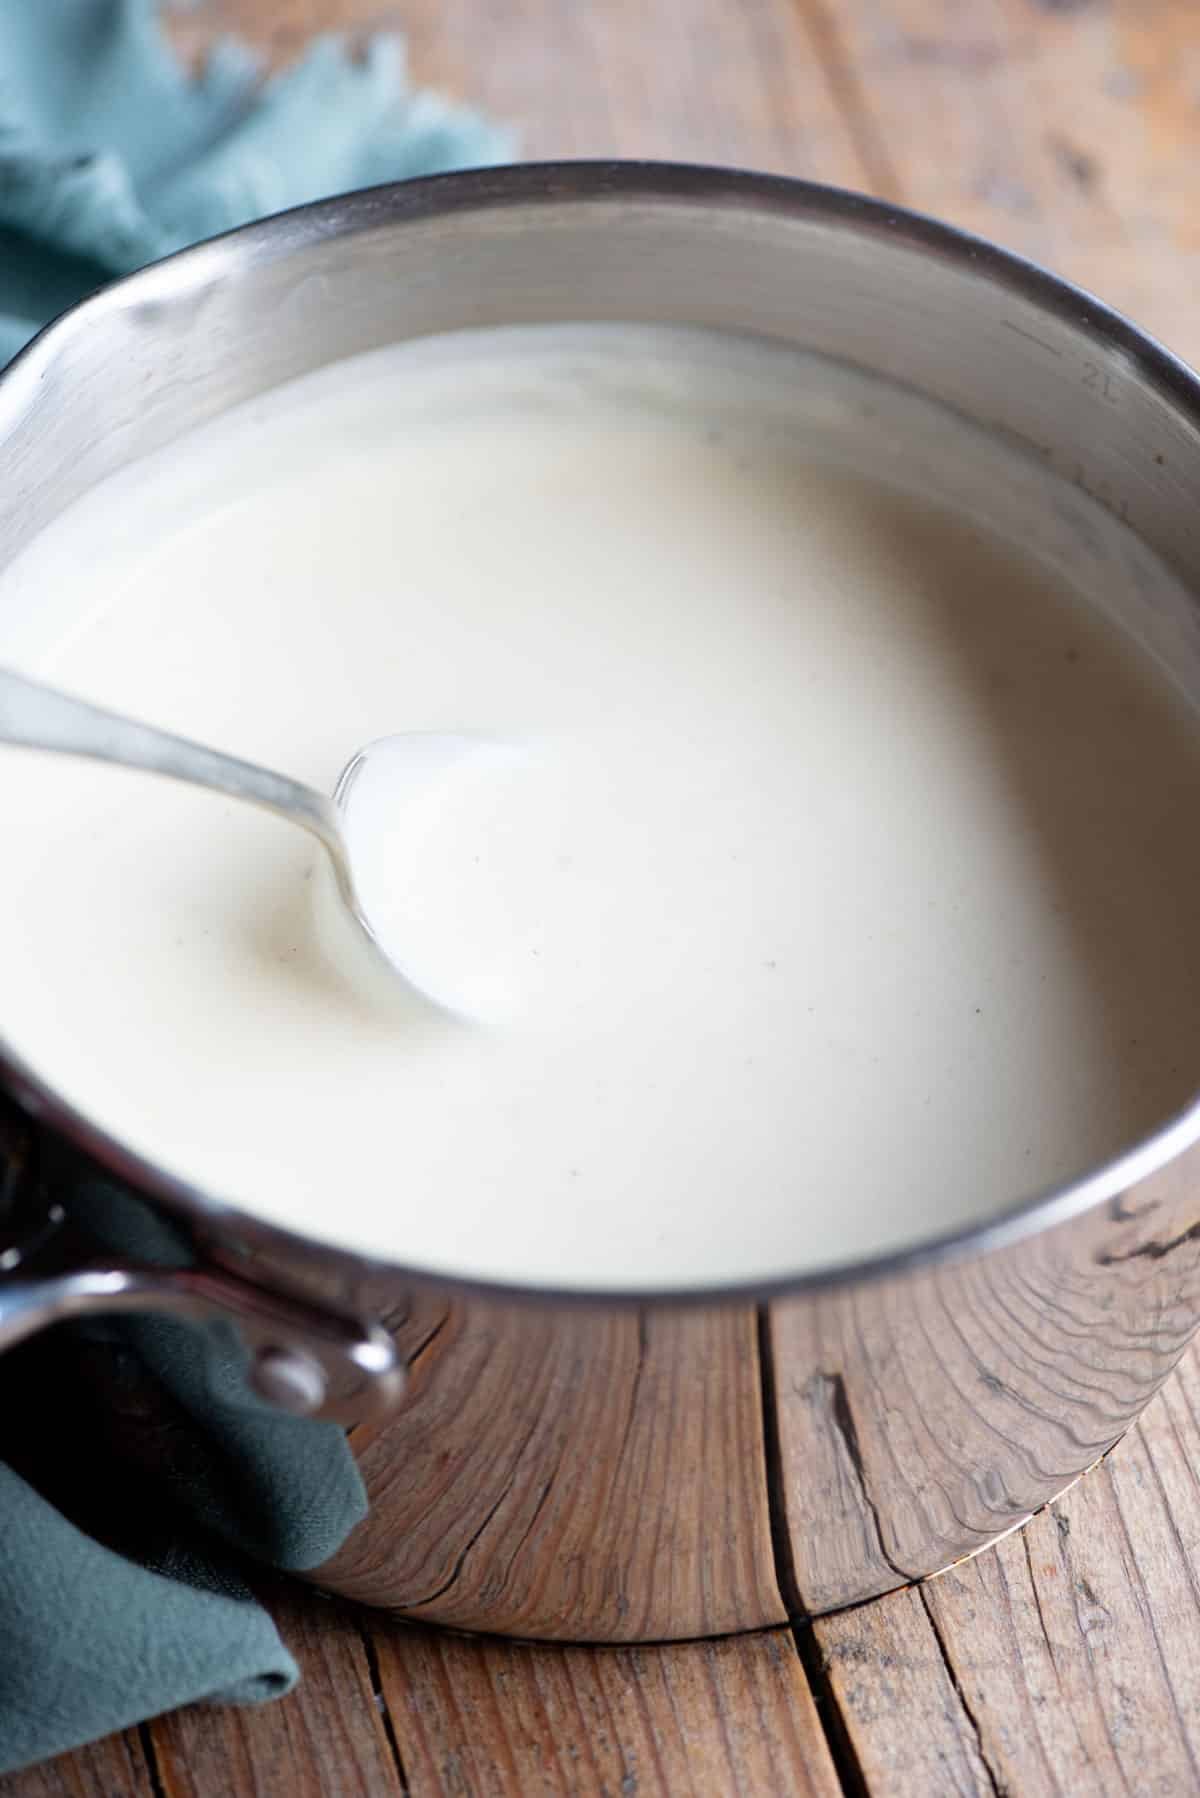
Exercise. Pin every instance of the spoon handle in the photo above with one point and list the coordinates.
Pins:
(39, 717)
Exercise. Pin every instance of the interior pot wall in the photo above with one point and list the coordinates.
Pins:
(179, 343)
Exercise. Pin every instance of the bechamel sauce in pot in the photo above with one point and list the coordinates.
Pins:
(842, 888)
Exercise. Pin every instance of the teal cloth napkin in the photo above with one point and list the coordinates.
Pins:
(125, 1537)
(112, 155)
(141, 1482)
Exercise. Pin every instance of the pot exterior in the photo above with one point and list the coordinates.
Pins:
(621, 1471)
(665, 1473)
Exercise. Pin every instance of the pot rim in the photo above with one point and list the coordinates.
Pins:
(590, 182)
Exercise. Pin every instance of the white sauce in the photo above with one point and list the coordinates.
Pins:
(840, 888)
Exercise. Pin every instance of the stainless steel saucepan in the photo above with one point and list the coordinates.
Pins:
(638, 1469)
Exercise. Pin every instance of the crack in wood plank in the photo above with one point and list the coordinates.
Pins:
(381, 1703)
(837, 1740)
(999, 1787)
(153, 1771)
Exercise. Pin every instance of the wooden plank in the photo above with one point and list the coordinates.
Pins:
(692, 80)
(327, 1736)
(1077, 1645)
(481, 1719)
(902, 1722)
(114, 1768)
(1067, 131)
(1065, 1660)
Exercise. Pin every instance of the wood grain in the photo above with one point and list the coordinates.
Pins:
(903, 1724)
(510, 1720)
(115, 1768)
(1064, 1661)
(1077, 1645)
(1068, 132)
(326, 1737)
(693, 80)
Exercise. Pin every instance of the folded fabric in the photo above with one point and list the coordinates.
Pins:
(141, 1480)
(112, 155)
(138, 1476)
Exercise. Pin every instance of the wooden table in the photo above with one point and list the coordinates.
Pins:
(1066, 1660)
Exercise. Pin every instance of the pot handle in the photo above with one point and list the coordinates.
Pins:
(307, 1359)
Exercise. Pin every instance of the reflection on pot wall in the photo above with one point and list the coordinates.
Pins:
(920, 1419)
(572, 1473)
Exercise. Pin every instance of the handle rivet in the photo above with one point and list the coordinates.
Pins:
(288, 1379)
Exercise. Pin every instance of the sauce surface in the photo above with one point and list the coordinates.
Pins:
(835, 885)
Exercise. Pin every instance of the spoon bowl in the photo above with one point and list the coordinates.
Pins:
(36, 716)
(410, 767)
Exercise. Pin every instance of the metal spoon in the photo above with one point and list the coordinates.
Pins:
(36, 716)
